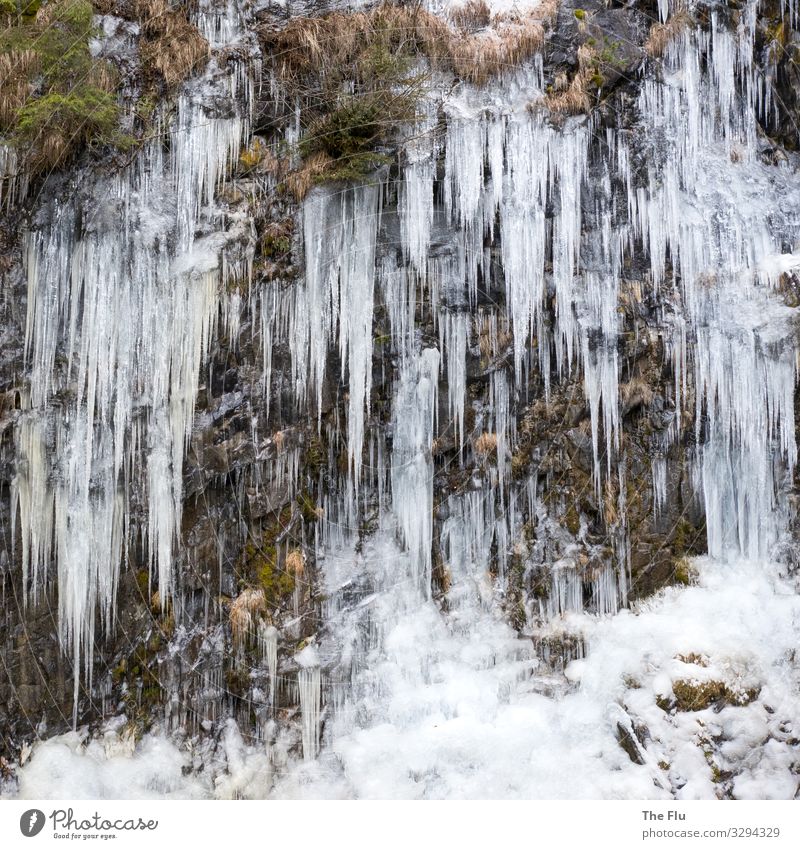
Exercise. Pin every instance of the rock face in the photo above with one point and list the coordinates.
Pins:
(501, 347)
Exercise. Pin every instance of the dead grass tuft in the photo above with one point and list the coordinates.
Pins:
(364, 42)
(171, 47)
(300, 181)
(575, 98)
(295, 562)
(662, 35)
(246, 609)
(636, 392)
(357, 76)
(17, 69)
(486, 444)
(471, 16)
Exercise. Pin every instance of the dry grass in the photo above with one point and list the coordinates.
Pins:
(311, 46)
(357, 77)
(159, 607)
(693, 658)
(337, 41)
(575, 99)
(17, 69)
(258, 157)
(170, 46)
(513, 38)
(300, 181)
(295, 563)
(472, 15)
(485, 444)
(494, 341)
(246, 609)
(610, 504)
(662, 35)
(637, 392)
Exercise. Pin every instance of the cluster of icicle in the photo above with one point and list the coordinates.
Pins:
(124, 296)
(699, 205)
(124, 285)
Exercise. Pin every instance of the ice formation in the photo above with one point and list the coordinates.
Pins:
(421, 703)
(111, 275)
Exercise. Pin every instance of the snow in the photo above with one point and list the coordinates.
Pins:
(460, 715)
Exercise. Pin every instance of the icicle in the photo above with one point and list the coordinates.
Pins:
(453, 333)
(309, 690)
(412, 465)
(268, 650)
(120, 284)
(340, 231)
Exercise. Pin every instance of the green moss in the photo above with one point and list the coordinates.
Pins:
(151, 696)
(276, 583)
(572, 520)
(519, 617)
(307, 507)
(541, 589)
(119, 672)
(350, 133)
(684, 572)
(379, 63)
(259, 562)
(699, 695)
(145, 107)
(610, 53)
(156, 642)
(275, 245)
(353, 168)
(316, 457)
(349, 128)
(580, 14)
(687, 537)
(143, 583)
(90, 110)
(59, 98)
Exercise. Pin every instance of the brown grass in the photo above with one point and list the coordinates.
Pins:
(310, 46)
(485, 444)
(245, 611)
(514, 37)
(491, 344)
(575, 99)
(662, 35)
(472, 15)
(258, 157)
(635, 392)
(337, 41)
(170, 46)
(17, 69)
(610, 504)
(300, 181)
(295, 563)
(159, 607)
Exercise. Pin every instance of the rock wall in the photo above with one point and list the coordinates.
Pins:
(267, 478)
